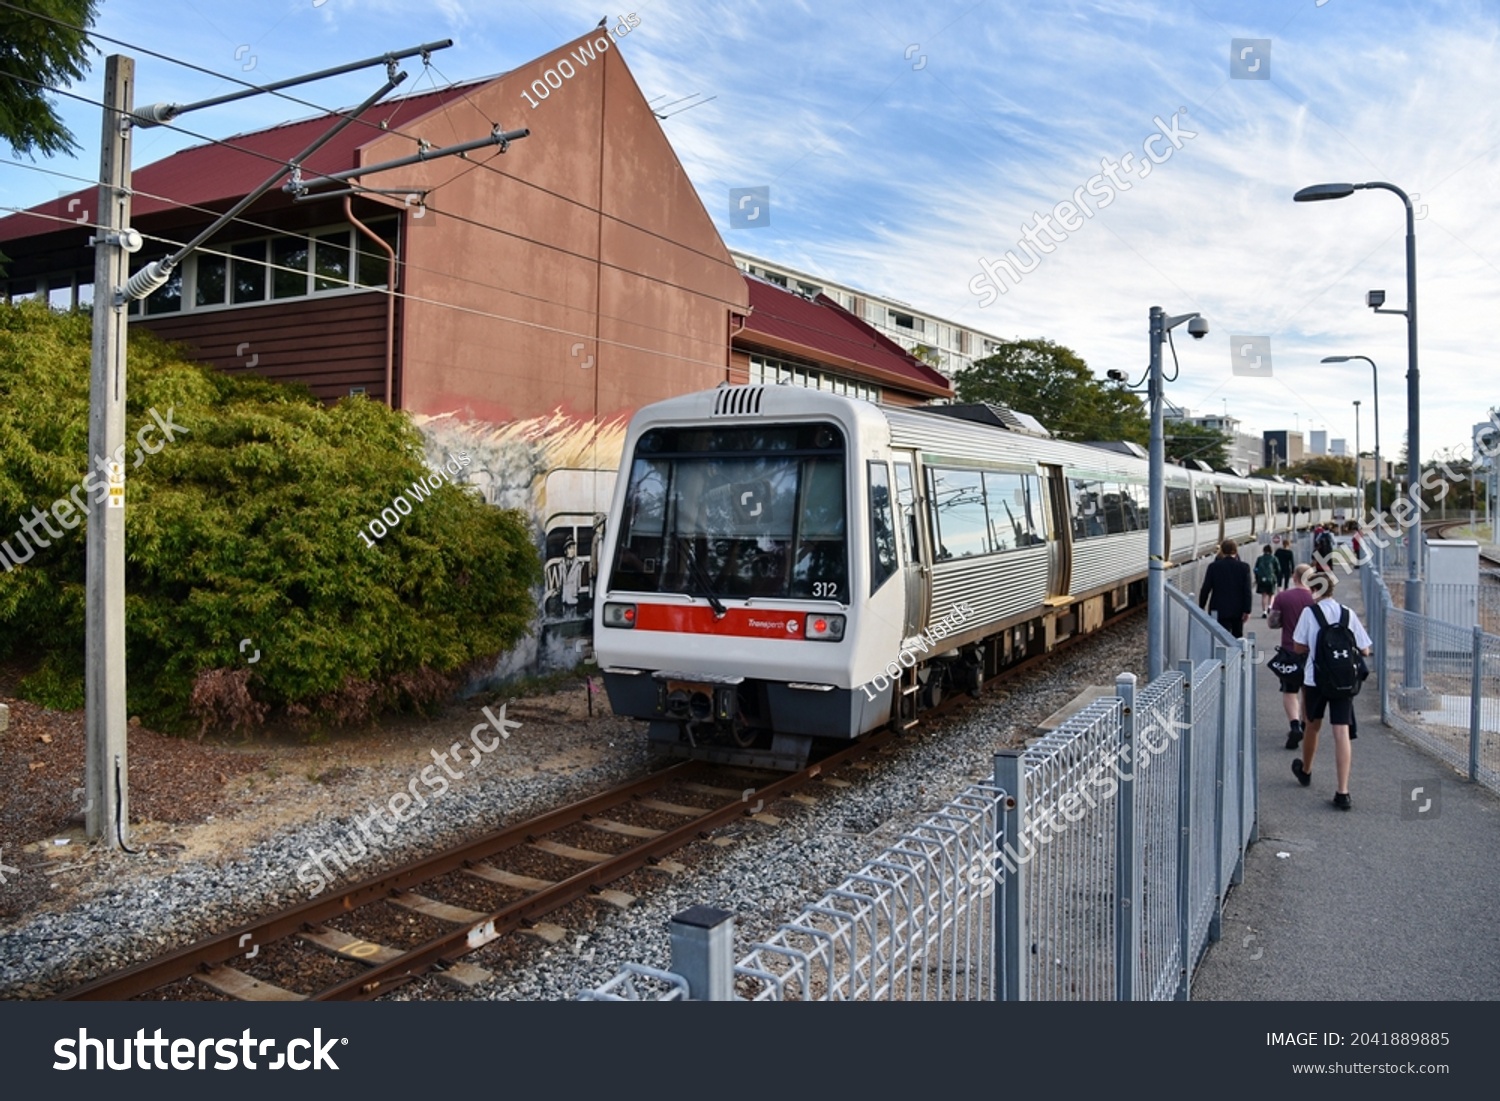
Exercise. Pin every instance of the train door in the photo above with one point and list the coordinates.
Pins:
(1060, 504)
(911, 533)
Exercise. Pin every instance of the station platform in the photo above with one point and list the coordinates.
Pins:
(1396, 899)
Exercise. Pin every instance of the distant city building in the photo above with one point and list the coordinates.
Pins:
(950, 347)
(1318, 441)
(1339, 448)
(1243, 449)
(1282, 449)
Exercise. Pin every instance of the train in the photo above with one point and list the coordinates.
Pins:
(788, 568)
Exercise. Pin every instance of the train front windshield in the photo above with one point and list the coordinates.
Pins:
(736, 512)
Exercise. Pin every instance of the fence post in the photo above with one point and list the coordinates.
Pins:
(1184, 834)
(1127, 879)
(1248, 741)
(1221, 766)
(1476, 686)
(703, 952)
(1382, 659)
(1013, 953)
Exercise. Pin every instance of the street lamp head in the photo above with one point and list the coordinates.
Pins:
(1318, 192)
(1374, 299)
(1335, 359)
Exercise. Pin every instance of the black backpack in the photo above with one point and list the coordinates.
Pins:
(1336, 659)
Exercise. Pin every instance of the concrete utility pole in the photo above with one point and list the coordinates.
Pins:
(107, 812)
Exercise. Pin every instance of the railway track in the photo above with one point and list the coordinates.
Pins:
(344, 946)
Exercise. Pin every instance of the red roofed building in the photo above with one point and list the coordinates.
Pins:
(519, 305)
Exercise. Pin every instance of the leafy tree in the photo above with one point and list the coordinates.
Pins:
(247, 527)
(1054, 385)
(1185, 440)
(928, 355)
(1328, 469)
(38, 51)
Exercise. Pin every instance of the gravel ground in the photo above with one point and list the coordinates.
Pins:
(125, 909)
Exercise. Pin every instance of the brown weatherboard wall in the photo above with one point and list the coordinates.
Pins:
(585, 234)
(329, 343)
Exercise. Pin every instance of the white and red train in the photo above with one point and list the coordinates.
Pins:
(773, 550)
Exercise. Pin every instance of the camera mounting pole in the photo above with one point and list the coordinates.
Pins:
(1156, 577)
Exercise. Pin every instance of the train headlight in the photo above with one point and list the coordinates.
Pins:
(619, 615)
(824, 628)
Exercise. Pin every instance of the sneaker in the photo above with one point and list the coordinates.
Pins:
(1303, 776)
(1341, 800)
(1293, 738)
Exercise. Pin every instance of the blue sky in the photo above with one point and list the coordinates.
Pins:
(903, 144)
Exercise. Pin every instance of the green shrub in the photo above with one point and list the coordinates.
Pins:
(247, 527)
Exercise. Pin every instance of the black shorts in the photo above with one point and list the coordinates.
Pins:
(1291, 683)
(1314, 704)
(1265, 588)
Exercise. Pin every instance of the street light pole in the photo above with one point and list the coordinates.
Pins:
(1376, 300)
(1156, 575)
(1359, 466)
(1375, 381)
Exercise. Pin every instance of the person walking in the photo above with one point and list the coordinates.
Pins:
(1226, 585)
(1286, 611)
(1265, 579)
(1286, 561)
(1330, 634)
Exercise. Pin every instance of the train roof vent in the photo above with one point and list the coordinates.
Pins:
(1120, 447)
(736, 401)
(992, 414)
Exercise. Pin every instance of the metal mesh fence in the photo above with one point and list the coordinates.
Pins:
(915, 924)
(1070, 880)
(1156, 767)
(1439, 683)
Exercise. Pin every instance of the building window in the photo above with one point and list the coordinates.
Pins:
(769, 372)
(247, 273)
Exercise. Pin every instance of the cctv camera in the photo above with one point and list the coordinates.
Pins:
(1114, 374)
(1375, 299)
(1197, 328)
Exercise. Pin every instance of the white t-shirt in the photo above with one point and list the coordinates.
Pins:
(1307, 630)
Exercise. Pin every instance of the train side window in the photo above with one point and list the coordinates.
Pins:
(882, 527)
(1208, 508)
(1031, 486)
(957, 497)
(1179, 506)
(1135, 502)
(1088, 508)
(1114, 509)
(906, 503)
(1010, 516)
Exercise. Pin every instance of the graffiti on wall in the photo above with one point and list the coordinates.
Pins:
(560, 471)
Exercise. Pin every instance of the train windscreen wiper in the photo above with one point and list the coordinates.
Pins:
(701, 576)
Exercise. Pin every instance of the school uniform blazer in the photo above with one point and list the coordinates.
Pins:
(1226, 588)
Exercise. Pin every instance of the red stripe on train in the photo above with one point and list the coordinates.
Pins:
(737, 622)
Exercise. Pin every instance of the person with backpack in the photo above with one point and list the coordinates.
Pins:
(1334, 638)
(1265, 578)
(1287, 664)
(1286, 561)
